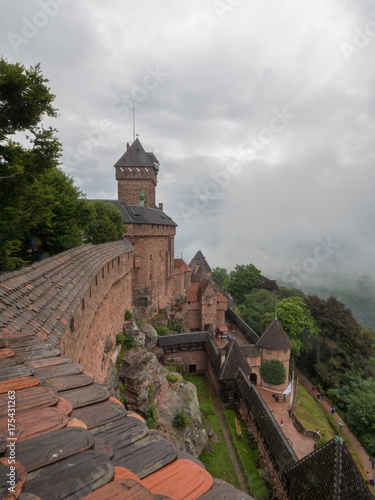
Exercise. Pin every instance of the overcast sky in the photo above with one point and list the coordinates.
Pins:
(261, 114)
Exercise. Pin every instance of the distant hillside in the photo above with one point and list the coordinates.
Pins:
(358, 295)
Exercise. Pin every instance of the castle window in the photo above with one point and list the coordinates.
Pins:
(72, 325)
(90, 291)
(118, 261)
(83, 304)
(103, 272)
(107, 268)
(96, 281)
(192, 368)
(113, 263)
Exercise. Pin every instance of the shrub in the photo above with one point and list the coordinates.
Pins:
(181, 420)
(273, 372)
(151, 391)
(162, 330)
(128, 315)
(151, 417)
(127, 342)
(172, 377)
(175, 327)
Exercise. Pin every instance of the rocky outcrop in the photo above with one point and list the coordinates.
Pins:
(111, 381)
(145, 383)
(131, 330)
(174, 397)
(151, 336)
(139, 371)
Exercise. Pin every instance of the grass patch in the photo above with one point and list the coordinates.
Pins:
(251, 458)
(312, 416)
(217, 459)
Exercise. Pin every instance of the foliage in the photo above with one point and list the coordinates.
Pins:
(290, 292)
(25, 99)
(162, 330)
(273, 372)
(105, 223)
(342, 346)
(270, 285)
(219, 276)
(257, 303)
(175, 327)
(122, 339)
(151, 391)
(151, 417)
(172, 377)
(297, 322)
(242, 280)
(128, 315)
(181, 420)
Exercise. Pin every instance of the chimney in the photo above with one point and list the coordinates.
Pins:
(161, 206)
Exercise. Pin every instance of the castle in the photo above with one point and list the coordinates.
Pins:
(60, 317)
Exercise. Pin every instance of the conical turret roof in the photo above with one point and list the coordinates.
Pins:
(275, 338)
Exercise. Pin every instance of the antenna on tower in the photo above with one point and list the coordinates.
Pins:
(133, 124)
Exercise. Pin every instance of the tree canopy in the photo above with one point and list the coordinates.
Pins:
(219, 275)
(42, 212)
(257, 303)
(105, 223)
(242, 280)
(297, 322)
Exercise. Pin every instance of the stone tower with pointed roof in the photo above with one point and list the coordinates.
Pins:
(136, 172)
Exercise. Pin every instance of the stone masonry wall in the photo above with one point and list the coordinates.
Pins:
(100, 315)
(186, 358)
(131, 181)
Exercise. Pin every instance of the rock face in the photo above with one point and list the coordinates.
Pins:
(174, 397)
(140, 370)
(111, 381)
(132, 330)
(146, 383)
(151, 336)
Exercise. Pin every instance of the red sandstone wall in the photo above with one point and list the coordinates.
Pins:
(186, 358)
(155, 246)
(100, 314)
(130, 182)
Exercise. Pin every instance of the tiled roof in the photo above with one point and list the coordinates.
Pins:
(278, 446)
(275, 338)
(72, 439)
(43, 298)
(233, 361)
(242, 326)
(135, 214)
(327, 473)
(181, 264)
(183, 338)
(192, 292)
(199, 267)
(136, 156)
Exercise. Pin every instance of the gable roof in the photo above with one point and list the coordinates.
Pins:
(242, 326)
(275, 338)
(136, 156)
(135, 214)
(181, 264)
(199, 267)
(329, 472)
(233, 361)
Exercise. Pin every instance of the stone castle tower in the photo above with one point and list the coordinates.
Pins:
(136, 175)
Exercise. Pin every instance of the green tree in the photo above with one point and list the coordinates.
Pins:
(219, 275)
(30, 209)
(105, 223)
(242, 280)
(342, 345)
(297, 322)
(273, 372)
(256, 304)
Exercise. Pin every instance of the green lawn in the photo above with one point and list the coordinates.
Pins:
(250, 458)
(312, 416)
(217, 460)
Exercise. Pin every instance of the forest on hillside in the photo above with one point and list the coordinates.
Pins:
(42, 212)
(329, 345)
